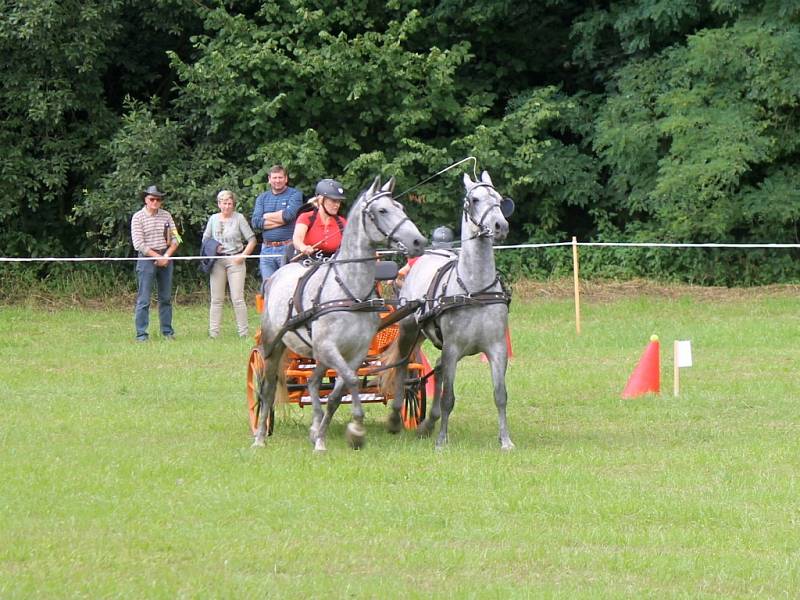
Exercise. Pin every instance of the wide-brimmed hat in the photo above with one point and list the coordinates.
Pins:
(153, 191)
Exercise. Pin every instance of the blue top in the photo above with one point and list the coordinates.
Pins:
(288, 201)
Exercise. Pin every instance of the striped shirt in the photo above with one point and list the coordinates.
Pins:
(151, 232)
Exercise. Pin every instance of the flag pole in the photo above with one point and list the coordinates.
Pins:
(575, 281)
(675, 370)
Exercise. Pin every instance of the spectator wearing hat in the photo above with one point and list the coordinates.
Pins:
(274, 215)
(236, 240)
(319, 231)
(155, 239)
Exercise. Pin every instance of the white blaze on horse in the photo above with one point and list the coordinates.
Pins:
(464, 310)
(329, 311)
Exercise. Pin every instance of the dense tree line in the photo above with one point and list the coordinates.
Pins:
(637, 120)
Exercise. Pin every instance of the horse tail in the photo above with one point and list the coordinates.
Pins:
(392, 358)
(388, 377)
(282, 390)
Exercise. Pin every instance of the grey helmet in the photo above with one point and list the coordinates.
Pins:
(442, 237)
(330, 188)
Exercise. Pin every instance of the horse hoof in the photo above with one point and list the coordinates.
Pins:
(423, 431)
(319, 446)
(313, 434)
(356, 435)
(394, 423)
(257, 443)
(507, 446)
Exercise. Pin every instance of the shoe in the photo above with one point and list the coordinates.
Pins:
(141, 339)
(170, 337)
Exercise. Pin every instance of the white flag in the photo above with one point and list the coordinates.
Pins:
(683, 353)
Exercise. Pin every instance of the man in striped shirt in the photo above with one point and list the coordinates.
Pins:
(154, 235)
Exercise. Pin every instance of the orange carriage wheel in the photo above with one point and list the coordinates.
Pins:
(414, 401)
(255, 370)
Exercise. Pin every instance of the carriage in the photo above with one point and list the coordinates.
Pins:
(330, 311)
(418, 384)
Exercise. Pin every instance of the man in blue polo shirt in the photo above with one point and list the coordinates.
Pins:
(274, 215)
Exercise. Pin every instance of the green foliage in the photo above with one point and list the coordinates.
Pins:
(149, 150)
(699, 139)
(52, 55)
(668, 120)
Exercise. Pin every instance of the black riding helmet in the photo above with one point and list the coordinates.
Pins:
(442, 237)
(330, 188)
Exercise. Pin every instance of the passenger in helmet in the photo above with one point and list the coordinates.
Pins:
(319, 231)
(441, 239)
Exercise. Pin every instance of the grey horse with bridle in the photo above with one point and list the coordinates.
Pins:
(329, 311)
(464, 310)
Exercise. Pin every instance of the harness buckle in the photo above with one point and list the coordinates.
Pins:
(376, 303)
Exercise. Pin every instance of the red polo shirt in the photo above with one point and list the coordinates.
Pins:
(329, 236)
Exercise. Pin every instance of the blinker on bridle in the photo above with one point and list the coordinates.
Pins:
(506, 206)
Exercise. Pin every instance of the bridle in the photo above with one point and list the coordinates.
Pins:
(366, 212)
(483, 230)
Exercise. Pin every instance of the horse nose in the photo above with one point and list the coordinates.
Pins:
(418, 245)
(500, 229)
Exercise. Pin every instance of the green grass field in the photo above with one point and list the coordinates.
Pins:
(127, 470)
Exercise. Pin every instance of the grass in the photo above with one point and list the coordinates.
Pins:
(126, 469)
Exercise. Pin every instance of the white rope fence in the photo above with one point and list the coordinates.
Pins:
(76, 259)
(575, 244)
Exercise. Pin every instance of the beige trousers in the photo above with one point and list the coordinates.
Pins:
(226, 271)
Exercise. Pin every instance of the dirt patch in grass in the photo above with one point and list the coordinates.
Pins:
(608, 291)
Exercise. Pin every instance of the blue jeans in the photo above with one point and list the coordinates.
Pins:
(146, 274)
(272, 259)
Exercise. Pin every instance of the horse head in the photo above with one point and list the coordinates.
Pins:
(485, 210)
(385, 221)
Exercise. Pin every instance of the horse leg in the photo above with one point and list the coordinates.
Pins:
(345, 373)
(448, 372)
(428, 424)
(266, 395)
(332, 404)
(498, 360)
(406, 338)
(314, 383)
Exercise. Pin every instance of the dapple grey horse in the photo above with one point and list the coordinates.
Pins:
(464, 310)
(329, 312)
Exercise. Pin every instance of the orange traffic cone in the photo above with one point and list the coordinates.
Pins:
(646, 377)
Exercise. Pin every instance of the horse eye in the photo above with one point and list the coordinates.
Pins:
(383, 211)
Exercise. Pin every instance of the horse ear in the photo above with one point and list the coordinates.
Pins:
(468, 183)
(486, 179)
(389, 185)
(376, 185)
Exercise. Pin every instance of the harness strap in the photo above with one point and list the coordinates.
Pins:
(436, 305)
